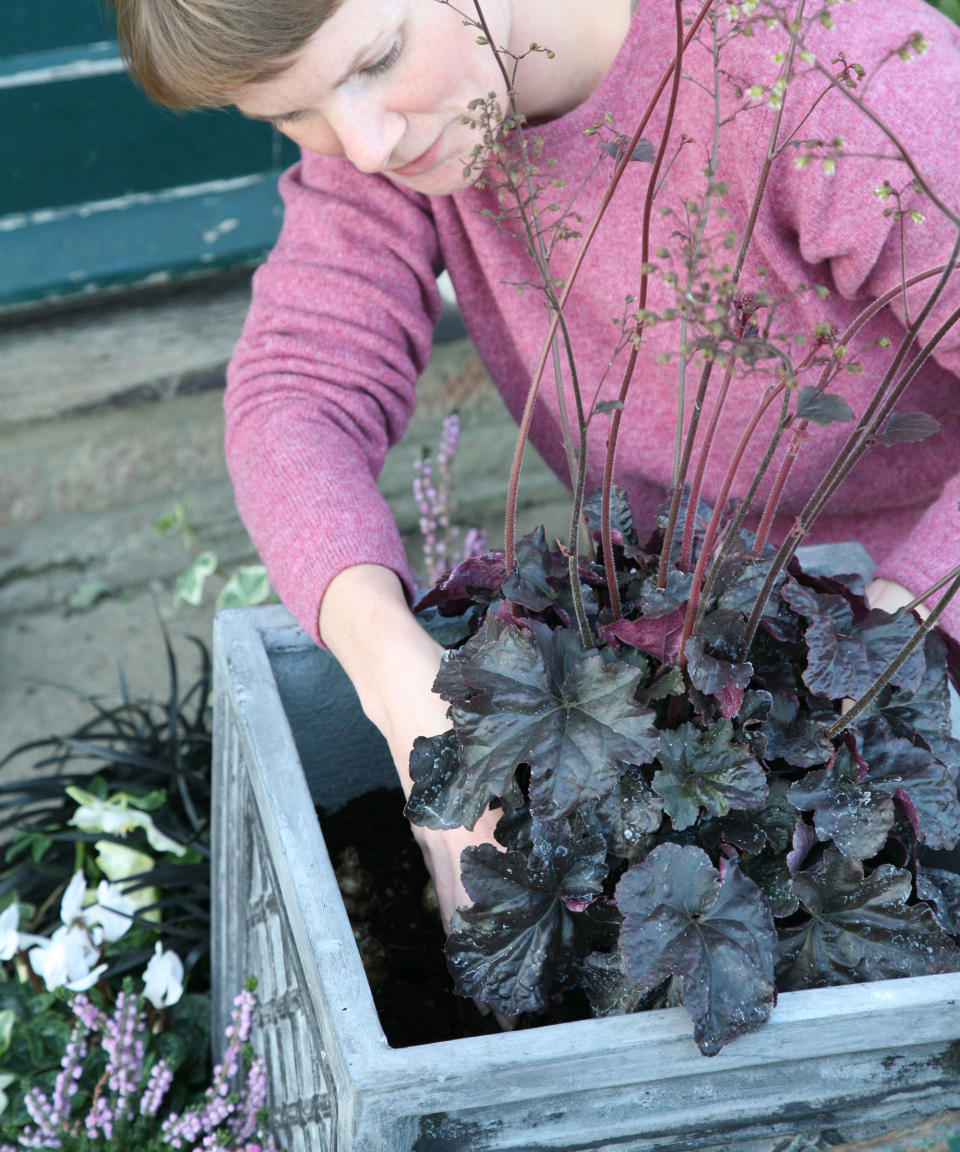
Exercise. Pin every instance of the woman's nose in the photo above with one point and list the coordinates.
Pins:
(368, 135)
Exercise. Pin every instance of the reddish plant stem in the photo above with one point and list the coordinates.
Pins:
(745, 242)
(606, 537)
(714, 526)
(510, 527)
(858, 442)
(776, 492)
(686, 549)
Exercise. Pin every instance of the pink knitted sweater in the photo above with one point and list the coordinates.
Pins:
(323, 380)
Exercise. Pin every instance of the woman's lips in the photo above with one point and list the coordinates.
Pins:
(422, 162)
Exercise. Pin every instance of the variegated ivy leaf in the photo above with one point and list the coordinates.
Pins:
(860, 928)
(706, 769)
(717, 937)
(532, 695)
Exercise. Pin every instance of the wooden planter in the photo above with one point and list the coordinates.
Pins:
(833, 1064)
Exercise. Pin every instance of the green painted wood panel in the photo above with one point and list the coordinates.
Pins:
(90, 169)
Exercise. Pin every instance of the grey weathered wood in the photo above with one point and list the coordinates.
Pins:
(848, 1061)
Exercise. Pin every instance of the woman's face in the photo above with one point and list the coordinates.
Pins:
(387, 83)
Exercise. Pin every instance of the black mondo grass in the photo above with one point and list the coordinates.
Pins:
(138, 747)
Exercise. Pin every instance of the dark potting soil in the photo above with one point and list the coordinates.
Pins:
(399, 938)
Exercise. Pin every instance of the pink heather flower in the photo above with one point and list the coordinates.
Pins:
(158, 1084)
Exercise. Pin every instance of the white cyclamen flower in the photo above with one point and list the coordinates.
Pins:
(66, 959)
(71, 906)
(118, 816)
(163, 978)
(11, 941)
(113, 911)
(5, 1081)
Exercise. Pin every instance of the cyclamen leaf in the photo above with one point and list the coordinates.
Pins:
(709, 770)
(719, 938)
(856, 816)
(906, 428)
(845, 656)
(861, 928)
(822, 407)
(502, 951)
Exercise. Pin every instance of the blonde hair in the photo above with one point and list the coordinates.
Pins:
(196, 53)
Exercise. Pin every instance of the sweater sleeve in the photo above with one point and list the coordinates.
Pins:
(838, 220)
(322, 381)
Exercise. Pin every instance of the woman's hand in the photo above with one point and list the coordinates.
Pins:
(393, 662)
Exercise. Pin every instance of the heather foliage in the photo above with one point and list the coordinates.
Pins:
(720, 776)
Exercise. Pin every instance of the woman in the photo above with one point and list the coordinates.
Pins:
(377, 93)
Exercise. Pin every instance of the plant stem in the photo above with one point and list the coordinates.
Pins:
(510, 528)
(607, 487)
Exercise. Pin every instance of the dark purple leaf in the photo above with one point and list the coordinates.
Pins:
(772, 876)
(861, 928)
(442, 795)
(628, 817)
(608, 988)
(475, 580)
(659, 636)
(856, 816)
(822, 407)
(656, 602)
(595, 723)
(706, 769)
(906, 428)
(722, 679)
(941, 890)
(897, 765)
(718, 938)
(533, 695)
(502, 951)
(804, 839)
(796, 735)
(844, 655)
(621, 520)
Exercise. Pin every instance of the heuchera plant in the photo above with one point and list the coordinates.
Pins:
(717, 773)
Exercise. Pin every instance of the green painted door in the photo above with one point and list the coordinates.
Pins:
(99, 187)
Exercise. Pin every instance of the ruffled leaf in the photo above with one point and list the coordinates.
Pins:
(861, 928)
(719, 938)
(706, 769)
(898, 768)
(851, 813)
(503, 950)
(845, 655)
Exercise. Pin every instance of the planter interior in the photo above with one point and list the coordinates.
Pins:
(833, 1063)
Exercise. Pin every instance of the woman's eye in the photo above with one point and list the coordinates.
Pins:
(383, 63)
